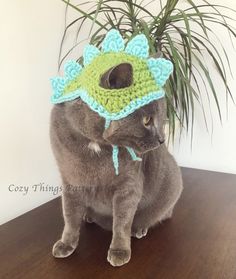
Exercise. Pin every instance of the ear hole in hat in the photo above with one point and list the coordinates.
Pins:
(117, 77)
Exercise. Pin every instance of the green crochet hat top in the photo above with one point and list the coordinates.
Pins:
(114, 100)
(149, 77)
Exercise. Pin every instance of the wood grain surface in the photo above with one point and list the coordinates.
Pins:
(198, 242)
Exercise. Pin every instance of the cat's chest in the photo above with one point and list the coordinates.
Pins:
(93, 165)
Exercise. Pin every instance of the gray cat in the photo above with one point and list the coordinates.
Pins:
(143, 194)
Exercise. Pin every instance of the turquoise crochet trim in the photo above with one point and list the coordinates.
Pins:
(90, 52)
(115, 152)
(133, 155)
(138, 46)
(65, 98)
(161, 69)
(107, 123)
(72, 69)
(58, 85)
(113, 42)
(115, 159)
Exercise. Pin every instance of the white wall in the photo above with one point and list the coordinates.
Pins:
(214, 149)
(30, 37)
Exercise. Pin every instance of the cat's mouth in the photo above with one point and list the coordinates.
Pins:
(140, 146)
(146, 147)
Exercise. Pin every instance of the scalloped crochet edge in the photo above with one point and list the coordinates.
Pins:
(95, 106)
(113, 41)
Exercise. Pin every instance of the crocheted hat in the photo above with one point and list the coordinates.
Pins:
(149, 77)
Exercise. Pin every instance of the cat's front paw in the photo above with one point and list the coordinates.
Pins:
(61, 250)
(140, 233)
(87, 219)
(118, 257)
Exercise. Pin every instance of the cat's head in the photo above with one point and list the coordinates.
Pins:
(142, 130)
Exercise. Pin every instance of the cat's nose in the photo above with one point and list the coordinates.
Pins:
(160, 137)
(161, 141)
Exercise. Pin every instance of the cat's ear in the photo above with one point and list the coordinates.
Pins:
(119, 76)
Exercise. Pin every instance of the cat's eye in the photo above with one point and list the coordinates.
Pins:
(147, 120)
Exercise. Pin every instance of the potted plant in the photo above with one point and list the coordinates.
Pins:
(181, 34)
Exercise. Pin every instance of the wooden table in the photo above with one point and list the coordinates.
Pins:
(198, 242)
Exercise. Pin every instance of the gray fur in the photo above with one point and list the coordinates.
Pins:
(143, 194)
